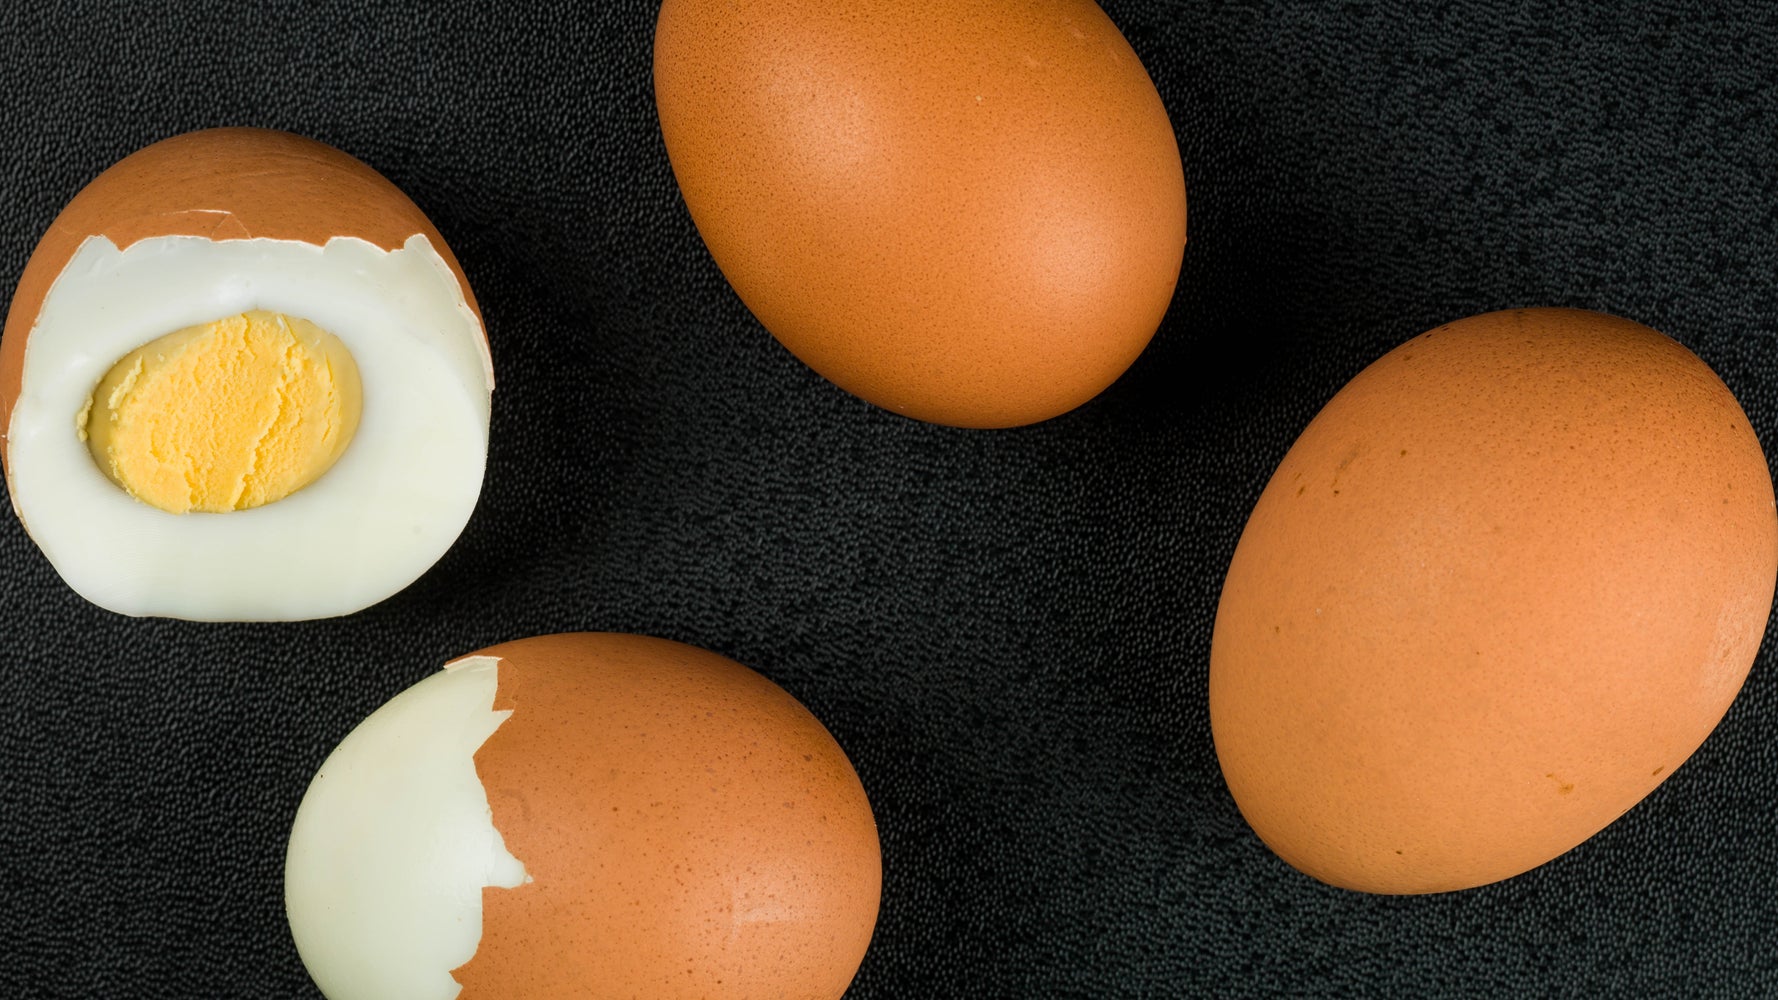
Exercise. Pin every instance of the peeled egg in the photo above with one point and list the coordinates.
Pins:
(587, 815)
(971, 212)
(1506, 582)
(243, 378)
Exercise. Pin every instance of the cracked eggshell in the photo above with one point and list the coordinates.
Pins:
(1508, 579)
(193, 229)
(645, 819)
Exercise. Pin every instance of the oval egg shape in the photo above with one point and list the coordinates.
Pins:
(971, 213)
(243, 378)
(590, 815)
(1507, 581)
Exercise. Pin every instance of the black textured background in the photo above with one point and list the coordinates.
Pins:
(1008, 631)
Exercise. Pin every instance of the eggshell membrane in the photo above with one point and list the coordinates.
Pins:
(690, 830)
(1508, 579)
(971, 213)
(220, 184)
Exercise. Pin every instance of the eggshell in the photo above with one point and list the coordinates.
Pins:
(690, 830)
(1507, 580)
(585, 815)
(220, 184)
(967, 212)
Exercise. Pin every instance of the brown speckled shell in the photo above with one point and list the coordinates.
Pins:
(690, 829)
(968, 212)
(1503, 585)
(225, 183)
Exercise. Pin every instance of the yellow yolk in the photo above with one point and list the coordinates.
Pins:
(225, 416)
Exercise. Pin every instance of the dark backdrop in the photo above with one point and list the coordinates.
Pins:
(1008, 631)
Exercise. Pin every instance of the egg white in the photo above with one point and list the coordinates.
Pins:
(388, 509)
(395, 841)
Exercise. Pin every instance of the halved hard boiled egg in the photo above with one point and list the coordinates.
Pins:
(243, 378)
(585, 815)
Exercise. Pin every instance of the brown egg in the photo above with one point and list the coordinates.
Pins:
(185, 365)
(646, 819)
(968, 212)
(1507, 581)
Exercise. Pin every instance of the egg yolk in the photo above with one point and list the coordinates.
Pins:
(224, 416)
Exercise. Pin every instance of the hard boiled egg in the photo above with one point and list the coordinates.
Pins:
(243, 378)
(585, 815)
(1502, 586)
(966, 211)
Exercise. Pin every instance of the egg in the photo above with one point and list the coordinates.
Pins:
(1508, 580)
(970, 212)
(588, 815)
(243, 377)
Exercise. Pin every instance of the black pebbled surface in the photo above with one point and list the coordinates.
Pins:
(1008, 631)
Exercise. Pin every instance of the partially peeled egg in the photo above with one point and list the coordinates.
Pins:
(243, 378)
(586, 815)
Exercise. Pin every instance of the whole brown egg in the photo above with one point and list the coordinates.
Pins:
(971, 212)
(1507, 580)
